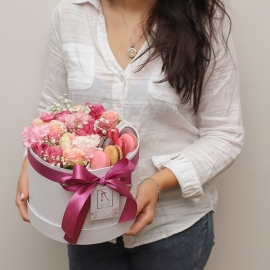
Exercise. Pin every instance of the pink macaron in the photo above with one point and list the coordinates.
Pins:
(99, 160)
(122, 143)
(128, 130)
(131, 141)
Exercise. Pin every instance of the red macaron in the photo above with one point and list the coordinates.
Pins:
(113, 133)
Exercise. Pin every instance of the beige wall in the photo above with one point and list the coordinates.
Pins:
(242, 220)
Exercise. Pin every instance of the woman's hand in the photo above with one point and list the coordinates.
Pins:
(147, 198)
(22, 191)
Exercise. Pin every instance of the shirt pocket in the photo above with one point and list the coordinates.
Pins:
(79, 61)
(162, 91)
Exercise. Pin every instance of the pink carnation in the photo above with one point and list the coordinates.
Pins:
(76, 120)
(35, 135)
(87, 129)
(84, 143)
(96, 110)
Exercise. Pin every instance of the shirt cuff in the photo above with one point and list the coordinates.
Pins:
(185, 173)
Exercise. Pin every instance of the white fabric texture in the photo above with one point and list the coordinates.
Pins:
(196, 148)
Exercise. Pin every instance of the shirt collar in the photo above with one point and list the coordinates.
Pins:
(95, 3)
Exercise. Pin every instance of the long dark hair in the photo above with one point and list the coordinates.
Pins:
(182, 32)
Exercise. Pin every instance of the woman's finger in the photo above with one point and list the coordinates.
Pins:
(23, 193)
(143, 219)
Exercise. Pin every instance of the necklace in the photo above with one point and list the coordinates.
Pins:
(131, 51)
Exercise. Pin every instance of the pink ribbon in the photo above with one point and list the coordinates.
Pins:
(82, 182)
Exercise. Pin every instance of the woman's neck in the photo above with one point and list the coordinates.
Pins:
(135, 5)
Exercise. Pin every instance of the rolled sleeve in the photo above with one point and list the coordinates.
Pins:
(220, 129)
(186, 175)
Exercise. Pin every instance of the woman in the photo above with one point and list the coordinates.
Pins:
(167, 67)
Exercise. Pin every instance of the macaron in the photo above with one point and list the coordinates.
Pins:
(113, 133)
(128, 130)
(114, 152)
(100, 160)
(104, 142)
(122, 143)
(131, 140)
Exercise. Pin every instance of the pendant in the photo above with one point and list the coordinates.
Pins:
(132, 52)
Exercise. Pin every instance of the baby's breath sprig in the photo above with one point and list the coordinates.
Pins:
(56, 107)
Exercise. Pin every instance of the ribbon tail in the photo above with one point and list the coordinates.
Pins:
(73, 237)
(76, 213)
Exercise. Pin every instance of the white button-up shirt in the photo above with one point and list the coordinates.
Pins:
(196, 148)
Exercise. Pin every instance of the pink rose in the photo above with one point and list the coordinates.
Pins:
(62, 115)
(96, 110)
(74, 156)
(57, 127)
(112, 117)
(38, 122)
(46, 117)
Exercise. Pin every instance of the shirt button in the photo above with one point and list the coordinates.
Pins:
(121, 78)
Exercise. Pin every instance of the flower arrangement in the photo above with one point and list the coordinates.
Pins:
(66, 135)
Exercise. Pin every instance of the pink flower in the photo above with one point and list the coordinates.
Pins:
(38, 122)
(53, 138)
(112, 117)
(86, 142)
(39, 149)
(57, 127)
(35, 135)
(87, 129)
(62, 116)
(53, 151)
(74, 156)
(53, 154)
(101, 126)
(96, 110)
(76, 120)
(46, 117)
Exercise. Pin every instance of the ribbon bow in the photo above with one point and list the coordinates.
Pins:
(84, 182)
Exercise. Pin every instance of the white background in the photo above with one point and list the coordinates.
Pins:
(242, 221)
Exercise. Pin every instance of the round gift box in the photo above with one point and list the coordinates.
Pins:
(48, 201)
